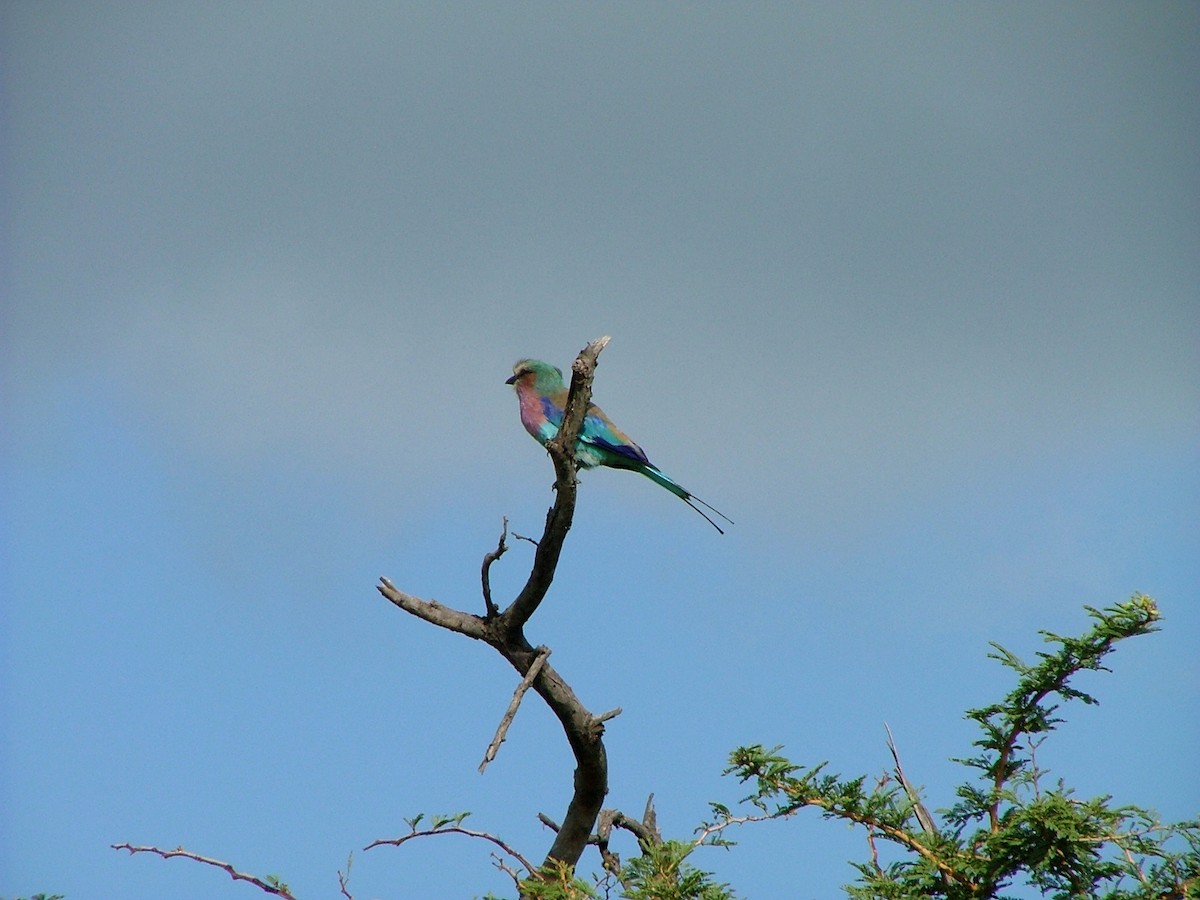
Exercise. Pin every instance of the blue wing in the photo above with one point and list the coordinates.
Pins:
(600, 433)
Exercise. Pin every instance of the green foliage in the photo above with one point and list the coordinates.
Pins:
(556, 881)
(1007, 829)
(663, 873)
(660, 872)
(40, 897)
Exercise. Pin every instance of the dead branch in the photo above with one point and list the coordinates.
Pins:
(505, 631)
(645, 836)
(923, 816)
(433, 612)
(609, 858)
(278, 889)
(485, 574)
(511, 712)
(646, 831)
(650, 817)
(344, 878)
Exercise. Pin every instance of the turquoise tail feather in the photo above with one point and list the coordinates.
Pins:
(659, 477)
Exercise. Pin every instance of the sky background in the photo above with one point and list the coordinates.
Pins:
(910, 291)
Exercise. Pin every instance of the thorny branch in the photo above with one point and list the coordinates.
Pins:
(271, 886)
(456, 829)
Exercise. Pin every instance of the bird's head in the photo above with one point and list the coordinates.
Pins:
(541, 376)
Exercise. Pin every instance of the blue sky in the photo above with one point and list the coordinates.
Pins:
(910, 291)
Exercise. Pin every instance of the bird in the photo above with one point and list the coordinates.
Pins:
(542, 397)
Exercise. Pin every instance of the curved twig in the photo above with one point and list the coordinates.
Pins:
(456, 829)
(279, 889)
(485, 572)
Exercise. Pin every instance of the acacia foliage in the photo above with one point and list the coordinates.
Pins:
(1010, 829)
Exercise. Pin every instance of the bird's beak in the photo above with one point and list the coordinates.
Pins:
(511, 380)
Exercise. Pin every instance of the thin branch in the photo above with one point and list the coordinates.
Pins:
(508, 870)
(277, 888)
(344, 878)
(456, 829)
(1034, 772)
(896, 835)
(511, 712)
(874, 852)
(1004, 755)
(706, 831)
(1134, 865)
(488, 559)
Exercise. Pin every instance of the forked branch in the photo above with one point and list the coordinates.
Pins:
(505, 630)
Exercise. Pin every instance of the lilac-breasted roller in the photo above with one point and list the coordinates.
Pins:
(543, 397)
